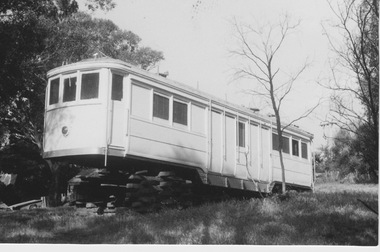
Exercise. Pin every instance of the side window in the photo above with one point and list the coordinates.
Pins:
(180, 112)
(160, 107)
(285, 143)
(304, 150)
(54, 91)
(69, 89)
(295, 148)
(90, 86)
(117, 87)
(275, 142)
(241, 134)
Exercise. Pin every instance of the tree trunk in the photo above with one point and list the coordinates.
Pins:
(282, 172)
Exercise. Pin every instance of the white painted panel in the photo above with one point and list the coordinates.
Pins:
(241, 171)
(230, 155)
(265, 158)
(298, 171)
(118, 124)
(254, 151)
(149, 148)
(160, 141)
(167, 134)
(85, 124)
(217, 142)
(141, 102)
(198, 119)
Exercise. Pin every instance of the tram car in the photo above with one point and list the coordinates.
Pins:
(104, 112)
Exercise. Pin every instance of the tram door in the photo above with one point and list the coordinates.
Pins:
(118, 113)
(217, 142)
(265, 152)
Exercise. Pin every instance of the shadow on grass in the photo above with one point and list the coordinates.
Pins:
(321, 218)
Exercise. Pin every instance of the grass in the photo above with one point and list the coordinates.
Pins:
(330, 216)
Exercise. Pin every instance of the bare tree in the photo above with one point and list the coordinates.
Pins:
(355, 75)
(258, 51)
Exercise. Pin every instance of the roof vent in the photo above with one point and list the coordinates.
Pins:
(164, 74)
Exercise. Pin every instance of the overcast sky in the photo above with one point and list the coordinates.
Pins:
(196, 37)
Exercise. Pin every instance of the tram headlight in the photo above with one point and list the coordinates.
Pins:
(65, 130)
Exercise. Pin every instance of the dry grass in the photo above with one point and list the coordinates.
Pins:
(330, 216)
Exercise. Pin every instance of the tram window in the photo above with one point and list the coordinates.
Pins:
(117, 87)
(285, 143)
(295, 148)
(304, 150)
(180, 112)
(160, 107)
(241, 134)
(54, 91)
(69, 89)
(275, 142)
(90, 86)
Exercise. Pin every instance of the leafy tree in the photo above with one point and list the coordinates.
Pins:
(344, 156)
(36, 36)
(358, 56)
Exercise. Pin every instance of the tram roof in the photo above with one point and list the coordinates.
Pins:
(117, 64)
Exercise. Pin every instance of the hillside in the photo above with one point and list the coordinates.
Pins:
(330, 216)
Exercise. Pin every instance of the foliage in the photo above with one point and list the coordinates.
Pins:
(36, 36)
(330, 216)
(344, 157)
(357, 55)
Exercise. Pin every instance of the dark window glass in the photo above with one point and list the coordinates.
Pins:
(241, 134)
(285, 145)
(180, 113)
(117, 87)
(304, 150)
(90, 86)
(275, 142)
(295, 148)
(69, 89)
(54, 91)
(160, 107)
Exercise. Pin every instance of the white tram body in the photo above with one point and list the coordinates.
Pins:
(105, 112)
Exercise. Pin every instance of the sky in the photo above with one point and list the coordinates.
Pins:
(197, 37)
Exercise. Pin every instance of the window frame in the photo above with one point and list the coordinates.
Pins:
(286, 151)
(302, 150)
(241, 144)
(122, 85)
(186, 124)
(58, 77)
(295, 151)
(80, 99)
(155, 117)
(65, 77)
(284, 140)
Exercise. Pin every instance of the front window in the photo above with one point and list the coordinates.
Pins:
(54, 91)
(117, 87)
(90, 86)
(69, 89)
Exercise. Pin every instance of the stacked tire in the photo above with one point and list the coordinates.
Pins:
(150, 194)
